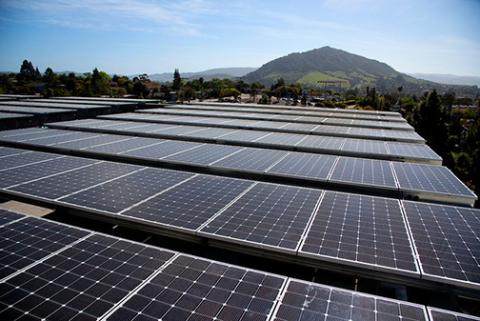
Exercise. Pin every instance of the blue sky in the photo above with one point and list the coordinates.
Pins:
(135, 36)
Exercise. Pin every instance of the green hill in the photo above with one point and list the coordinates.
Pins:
(326, 63)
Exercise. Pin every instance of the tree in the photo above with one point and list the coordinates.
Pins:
(100, 83)
(177, 80)
(27, 72)
(254, 88)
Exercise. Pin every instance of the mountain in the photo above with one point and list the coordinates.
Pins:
(449, 79)
(229, 73)
(354, 71)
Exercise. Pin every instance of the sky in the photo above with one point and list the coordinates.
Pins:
(147, 36)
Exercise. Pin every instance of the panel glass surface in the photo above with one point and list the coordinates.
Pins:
(303, 301)
(24, 159)
(444, 315)
(306, 165)
(447, 240)
(126, 191)
(166, 148)
(7, 216)
(204, 154)
(267, 215)
(60, 185)
(192, 203)
(82, 282)
(364, 172)
(360, 229)
(25, 241)
(251, 159)
(198, 289)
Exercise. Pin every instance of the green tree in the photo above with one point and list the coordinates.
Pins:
(177, 80)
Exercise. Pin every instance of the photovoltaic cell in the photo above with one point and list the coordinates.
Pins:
(437, 179)
(7, 216)
(60, 185)
(92, 141)
(197, 289)
(244, 135)
(364, 172)
(166, 148)
(412, 150)
(124, 145)
(81, 282)
(120, 194)
(251, 159)
(281, 139)
(447, 241)
(209, 132)
(25, 241)
(444, 315)
(267, 215)
(365, 146)
(322, 142)
(190, 204)
(360, 230)
(24, 159)
(204, 154)
(7, 151)
(305, 165)
(34, 171)
(303, 301)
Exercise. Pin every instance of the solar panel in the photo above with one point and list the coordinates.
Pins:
(364, 172)
(447, 241)
(25, 241)
(58, 139)
(419, 151)
(198, 289)
(300, 126)
(244, 135)
(281, 139)
(56, 186)
(35, 110)
(360, 230)
(204, 154)
(209, 132)
(254, 159)
(190, 204)
(8, 216)
(21, 136)
(92, 140)
(267, 215)
(306, 165)
(303, 301)
(124, 192)
(7, 151)
(82, 282)
(166, 148)
(322, 142)
(364, 146)
(22, 159)
(30, 172)
(17, 132)
(436, 314)
(434, 179)
(123, 146)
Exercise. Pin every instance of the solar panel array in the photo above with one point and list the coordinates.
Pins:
(377, 176)
(325, 128)
(64, 272)
(248, 138)
(67, 273)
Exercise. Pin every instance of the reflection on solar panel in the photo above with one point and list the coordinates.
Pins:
(197, 289)
(24, 159)
(204, 154)
(363, 172)
(267, 215)
(444, 315)
(7, 216)
(24, 135)
(413, 150)
(251, 159)
(126, 191)
(82, 282)
(434, 179)
(307, 301)
(322, 142)
(244, 135)
(34, 171)
(161, 150)
(55, 186)
(364, 146)
(124, 145)
(305, 165)
(344, 229)
(446, 239)
(25, 241)
(209, 132)
(281, 139)
(190, 204)
(7, 151)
